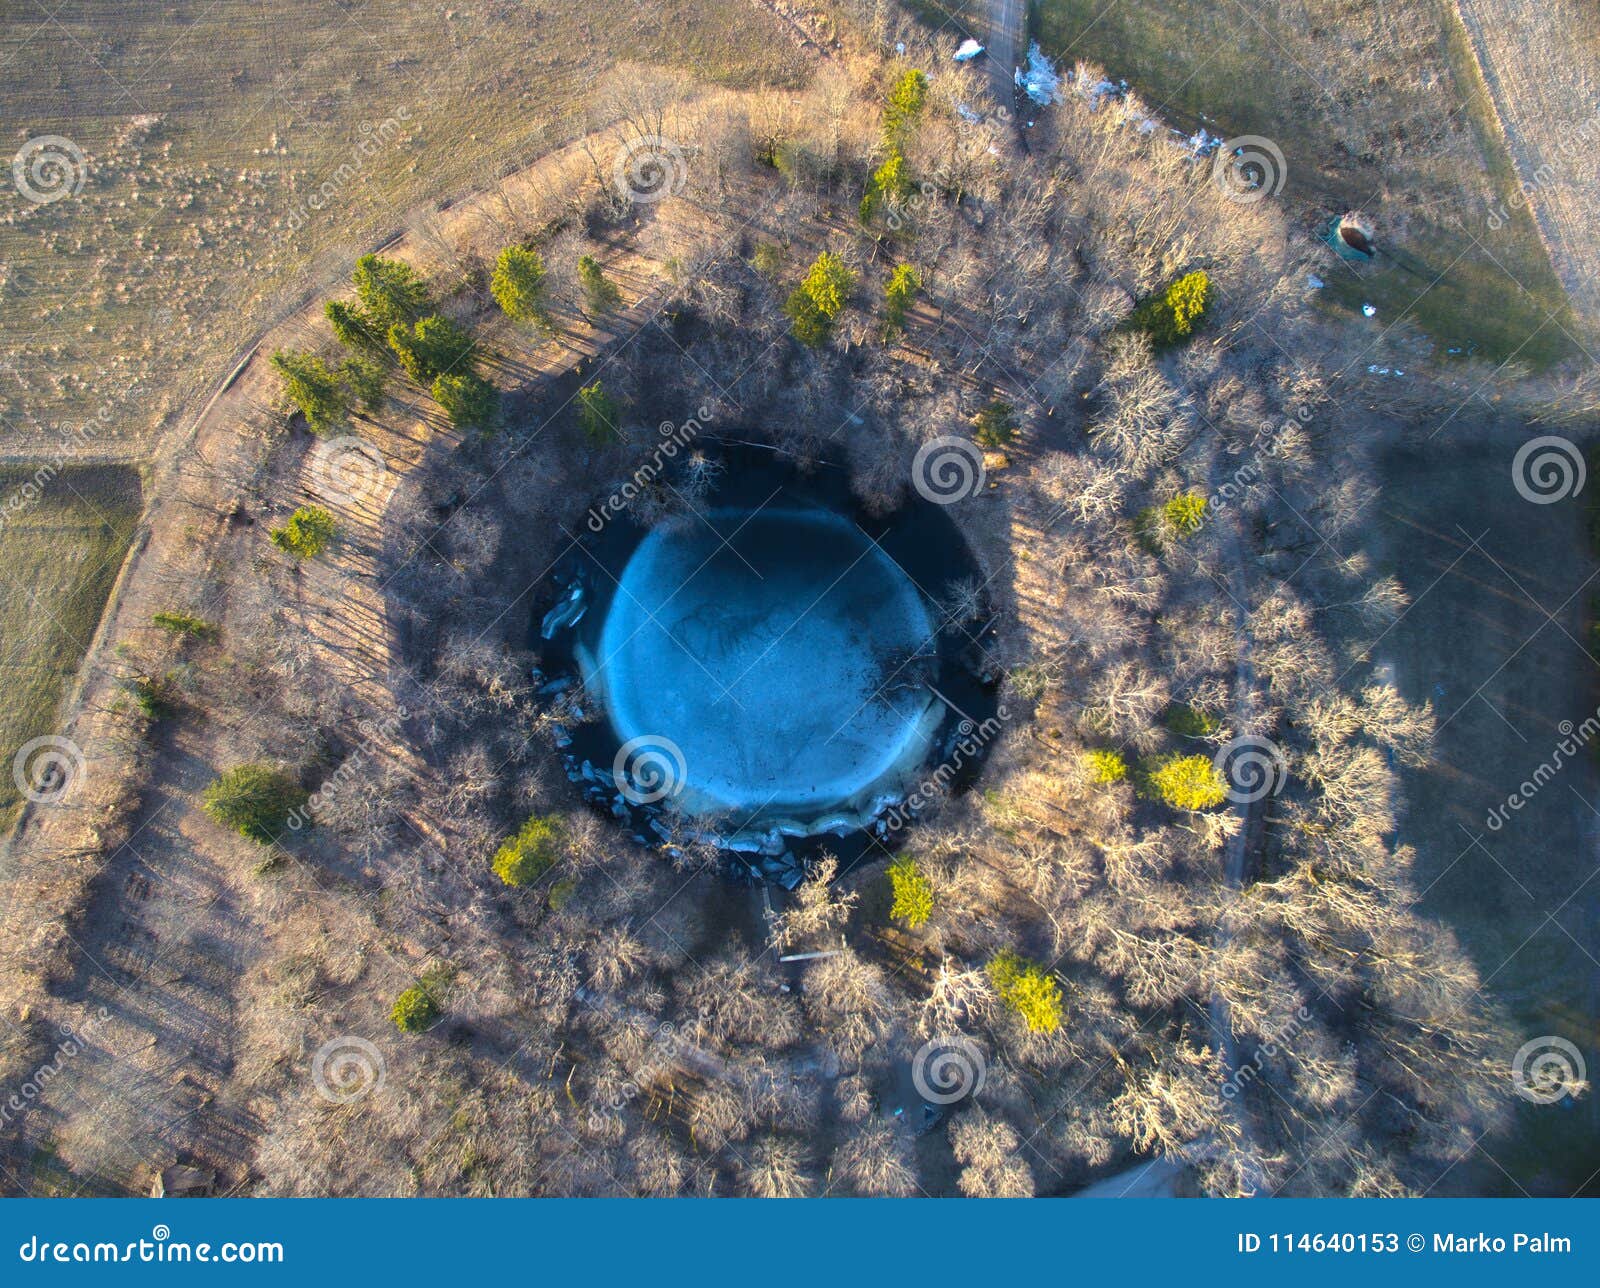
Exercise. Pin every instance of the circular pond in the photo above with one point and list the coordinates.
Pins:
(770, 664)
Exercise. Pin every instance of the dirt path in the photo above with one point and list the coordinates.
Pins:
(1538, 64)
(158, 942)
(1007, 29)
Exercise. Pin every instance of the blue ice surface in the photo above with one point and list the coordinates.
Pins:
(759, 644)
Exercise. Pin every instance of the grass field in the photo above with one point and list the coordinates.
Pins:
(206, 126)
(59, 558)
(1484, 568)
(1386, 116)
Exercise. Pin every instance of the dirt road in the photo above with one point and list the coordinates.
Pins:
(1007, 22)
(1539, 66)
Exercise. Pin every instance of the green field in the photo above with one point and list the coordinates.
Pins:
(59, 557)
(1385, 116)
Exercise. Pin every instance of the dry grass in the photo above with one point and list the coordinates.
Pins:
(1380, 114)
(207, 126)
(58, 561)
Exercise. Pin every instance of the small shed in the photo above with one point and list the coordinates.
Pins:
(182, 1182)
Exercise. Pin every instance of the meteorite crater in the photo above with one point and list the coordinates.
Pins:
(770, 665)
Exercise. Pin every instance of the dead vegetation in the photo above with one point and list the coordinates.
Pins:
(1246, 989)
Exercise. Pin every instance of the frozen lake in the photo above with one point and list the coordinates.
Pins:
(783, 653)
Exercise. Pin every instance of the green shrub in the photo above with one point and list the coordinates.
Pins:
(354, 329)
(898, 292)
(153, 695)
(1171, 317)
(391, 293)
(996, 425)
(768, 259)
(1185, 514)
(415, 1010)
(599, 414)
(1106, 765)
(904, 106)
(531, 853)
(306, 534)
(196, 628)
(1191, 722)
(890, 184)
(364, 378)
(319, 394)
(1028, 990)
(820, 298)
(432, 347)
(600, 293)
(1186, 782)
(518, 285)
(913, 892)
(255, 800)
(468, 399)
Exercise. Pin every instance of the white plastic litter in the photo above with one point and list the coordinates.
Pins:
(969, 50)
(1369, 310)
(1040, 81)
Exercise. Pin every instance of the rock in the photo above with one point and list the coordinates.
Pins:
(569, 612)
